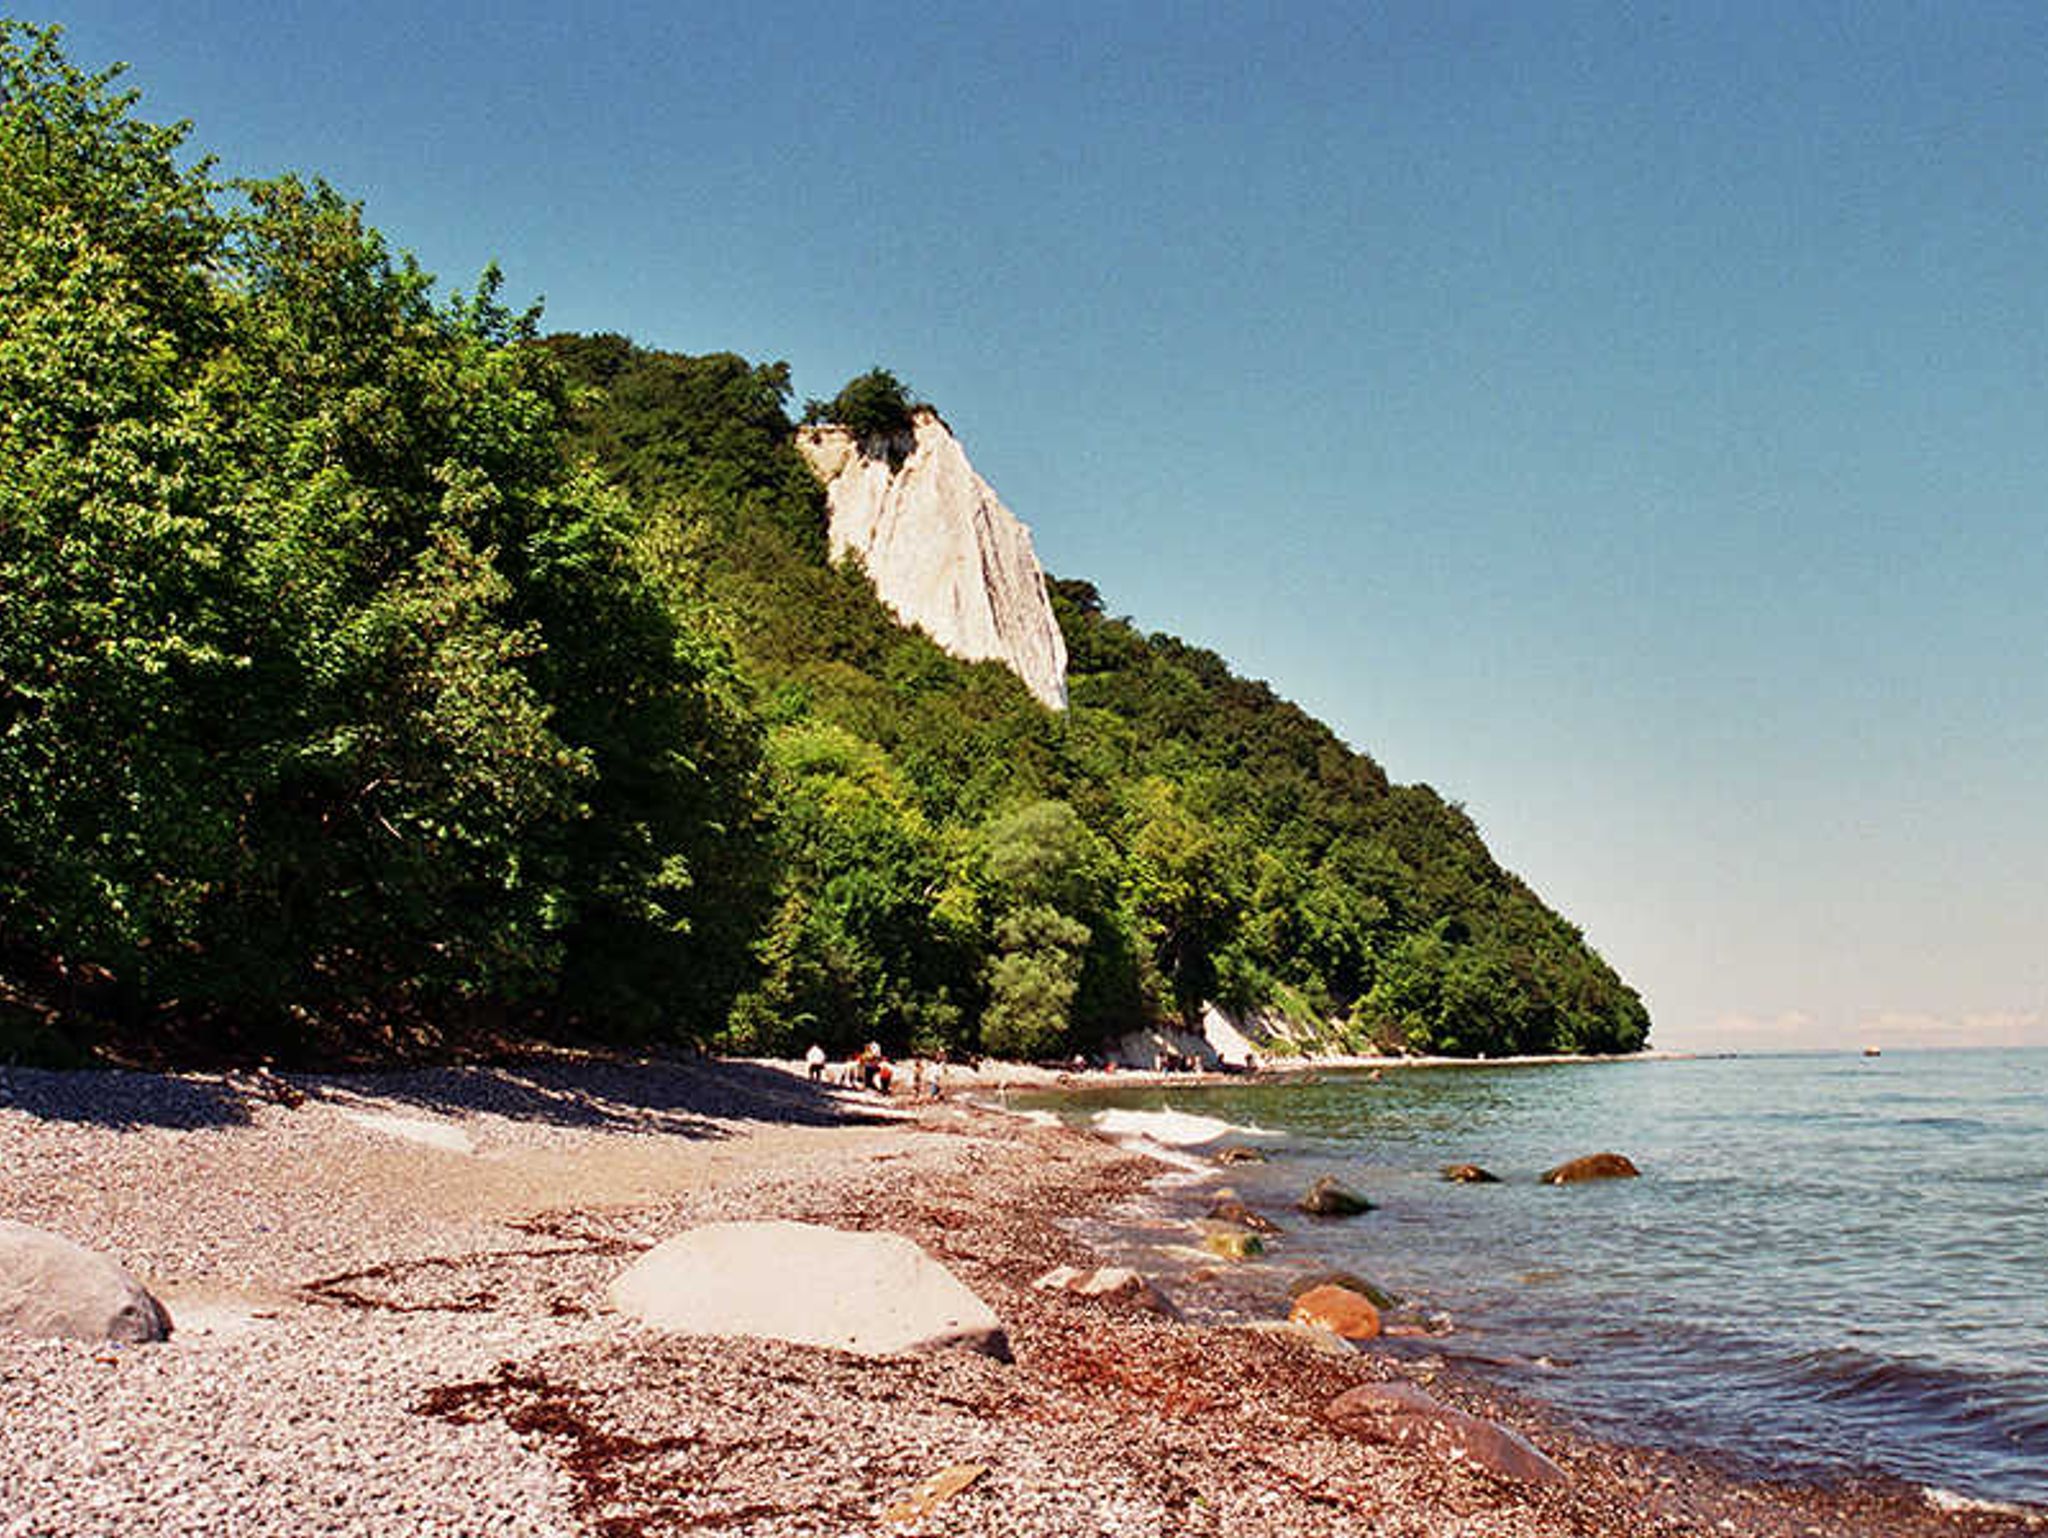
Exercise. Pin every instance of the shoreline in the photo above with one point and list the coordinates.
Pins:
(390, 1307)
(996, 1075)
(1185, 1189)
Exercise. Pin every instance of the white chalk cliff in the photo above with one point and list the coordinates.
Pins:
(940, 547)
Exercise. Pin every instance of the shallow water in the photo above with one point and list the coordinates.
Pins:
(1832, 1263)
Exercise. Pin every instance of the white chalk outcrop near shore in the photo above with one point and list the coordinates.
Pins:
(940, 547)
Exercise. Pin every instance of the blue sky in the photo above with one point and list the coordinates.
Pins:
(1630, 420)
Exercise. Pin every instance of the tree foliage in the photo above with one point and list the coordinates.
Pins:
(874, 407)
(331, 690)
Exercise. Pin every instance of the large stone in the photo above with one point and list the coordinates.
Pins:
(50, 1286)
(1378, 1296)
(1403, 1415)
(1470, 1175)
(1108, 1284)
(1338, 1310)
(872, 1293)
(1230, 1209)
(1328, 1199)
(1599, 1166)
(941, 549)
(1231, 1241)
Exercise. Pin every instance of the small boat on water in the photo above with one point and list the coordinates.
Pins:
(1873, 1051)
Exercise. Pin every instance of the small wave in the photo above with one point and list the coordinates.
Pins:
(1850, 1373)
(1949, 1500)
(1172, 1129)
(1965, 1124)
(1985, 1423)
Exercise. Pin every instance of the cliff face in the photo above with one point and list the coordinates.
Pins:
(940, 547)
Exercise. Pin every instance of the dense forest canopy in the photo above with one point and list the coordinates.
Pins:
(377, 675)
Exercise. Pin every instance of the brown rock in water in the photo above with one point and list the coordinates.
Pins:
(1599, 1166)
(1231, 1242)
(1470, 1175)
(1402, 1414)
(1328, 1199)
(1378, 1296)
(1338, 1310)
(1229, 1209)
(1237, 1153)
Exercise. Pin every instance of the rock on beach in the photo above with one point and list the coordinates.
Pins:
(1108, 1284)
(1402, 1414)
(1232, 1241)
(1378, 1296)
(1339, 1310)
(51, 1287)
(871, 1293)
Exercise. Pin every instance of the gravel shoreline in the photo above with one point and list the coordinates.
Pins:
(389, 1297)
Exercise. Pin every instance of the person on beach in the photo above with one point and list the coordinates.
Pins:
(815, 1061)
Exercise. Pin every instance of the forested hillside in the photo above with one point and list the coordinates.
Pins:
(1179, 834)
(376, 676)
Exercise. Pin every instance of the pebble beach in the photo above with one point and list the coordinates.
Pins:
(390, 1304)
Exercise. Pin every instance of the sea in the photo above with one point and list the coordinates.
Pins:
(1832, 1265)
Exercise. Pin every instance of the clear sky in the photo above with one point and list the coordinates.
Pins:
(1635, 425)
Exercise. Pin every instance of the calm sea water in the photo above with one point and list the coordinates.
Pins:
(1832, 1264)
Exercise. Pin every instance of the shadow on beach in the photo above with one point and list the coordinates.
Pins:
(124, 1099)
(694, 1098)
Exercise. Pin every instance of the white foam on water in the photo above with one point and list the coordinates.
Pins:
(1949, 1500)
(1174, 1129)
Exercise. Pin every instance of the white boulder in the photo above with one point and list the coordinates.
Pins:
(872, 1293)
(50, 1286)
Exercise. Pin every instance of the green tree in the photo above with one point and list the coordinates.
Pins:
(860, 945)
(872, 406)
(1040, 860)
(1181, 882)
(332, 689)
(116, 599)
(1032, 980)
